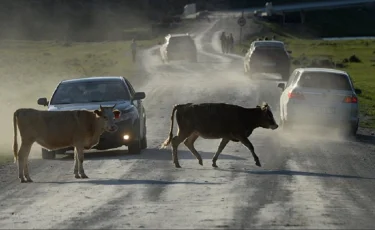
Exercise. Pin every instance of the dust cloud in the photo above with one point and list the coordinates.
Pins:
(35, 59)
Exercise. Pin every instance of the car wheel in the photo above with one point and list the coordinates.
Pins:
(144, 143)
(144, 139)
(48, 155)
(351, 130)
(134, 147)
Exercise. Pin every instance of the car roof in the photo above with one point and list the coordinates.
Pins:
(327, 70)
(93, 79)
(178, 35)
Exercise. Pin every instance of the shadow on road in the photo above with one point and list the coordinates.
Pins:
(149, 154)
(301, 173)
(367, 139)
(127, 182)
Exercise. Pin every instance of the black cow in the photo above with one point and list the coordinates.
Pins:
(214, 121)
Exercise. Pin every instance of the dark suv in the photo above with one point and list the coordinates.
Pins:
(268, 57)
(178, 47)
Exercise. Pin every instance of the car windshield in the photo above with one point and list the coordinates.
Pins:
(324, 80)
(269, 51)
(181, 41)
(86, 92)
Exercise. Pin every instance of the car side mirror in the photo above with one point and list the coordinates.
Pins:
(358, 91)
(281, 85)
(43, 101)
(139, 96)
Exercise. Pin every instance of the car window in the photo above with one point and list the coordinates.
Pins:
(86, 92)
(132, 91)
(324, 80)
(181, 41)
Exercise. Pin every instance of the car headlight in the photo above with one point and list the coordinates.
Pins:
(127, 115)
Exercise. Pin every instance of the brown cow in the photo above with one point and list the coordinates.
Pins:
(215, 121)
(54, 130)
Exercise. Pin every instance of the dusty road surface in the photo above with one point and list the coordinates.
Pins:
(304, 182)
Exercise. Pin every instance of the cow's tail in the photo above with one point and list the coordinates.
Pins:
(15, 144)
(169, 139)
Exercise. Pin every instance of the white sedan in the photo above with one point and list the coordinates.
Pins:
(320, 96)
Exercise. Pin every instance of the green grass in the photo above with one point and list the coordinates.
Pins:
(302, 43)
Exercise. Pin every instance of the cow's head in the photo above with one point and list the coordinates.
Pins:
(107, 113)
(267, 120)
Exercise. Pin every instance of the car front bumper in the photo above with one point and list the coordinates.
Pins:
(116, 139)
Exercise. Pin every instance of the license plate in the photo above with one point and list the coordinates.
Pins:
(324, 110)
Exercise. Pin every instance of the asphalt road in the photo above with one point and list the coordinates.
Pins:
(306, 181)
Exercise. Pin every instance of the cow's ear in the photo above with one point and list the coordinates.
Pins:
(97, 112)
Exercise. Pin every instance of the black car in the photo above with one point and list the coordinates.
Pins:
(178, 47)
(269, 56)
(89, 93)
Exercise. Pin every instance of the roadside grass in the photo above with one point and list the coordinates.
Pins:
(357, 57)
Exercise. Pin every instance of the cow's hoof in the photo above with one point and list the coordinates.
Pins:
(258, 164)
(84, 176)
(177, 165)
(77, 176)
(29, 180)
(201, 162)
(214, 165)
(23, 181)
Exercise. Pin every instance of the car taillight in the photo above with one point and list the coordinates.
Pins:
(350, 99)
(296, 95)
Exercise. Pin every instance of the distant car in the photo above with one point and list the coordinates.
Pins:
(178, 47)
(89, 93)
(322, 96)
(268, 56)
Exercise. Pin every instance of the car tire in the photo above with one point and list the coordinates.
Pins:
(144, 143)
(134, 147)
(48, 155)
(351, 130)
(144, 139)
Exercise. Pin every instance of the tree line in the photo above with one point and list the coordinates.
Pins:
(89, 20)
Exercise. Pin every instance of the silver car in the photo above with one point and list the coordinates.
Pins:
(89, 93)
(320, 96)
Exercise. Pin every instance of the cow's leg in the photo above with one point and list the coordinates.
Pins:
(26, 166)
(250, 146)
(176, 141)
(80, 155)
(189, 142)
(222, 145)
(76, 175)
(23, 155)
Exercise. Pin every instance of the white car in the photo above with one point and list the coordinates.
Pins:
(320, 96)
